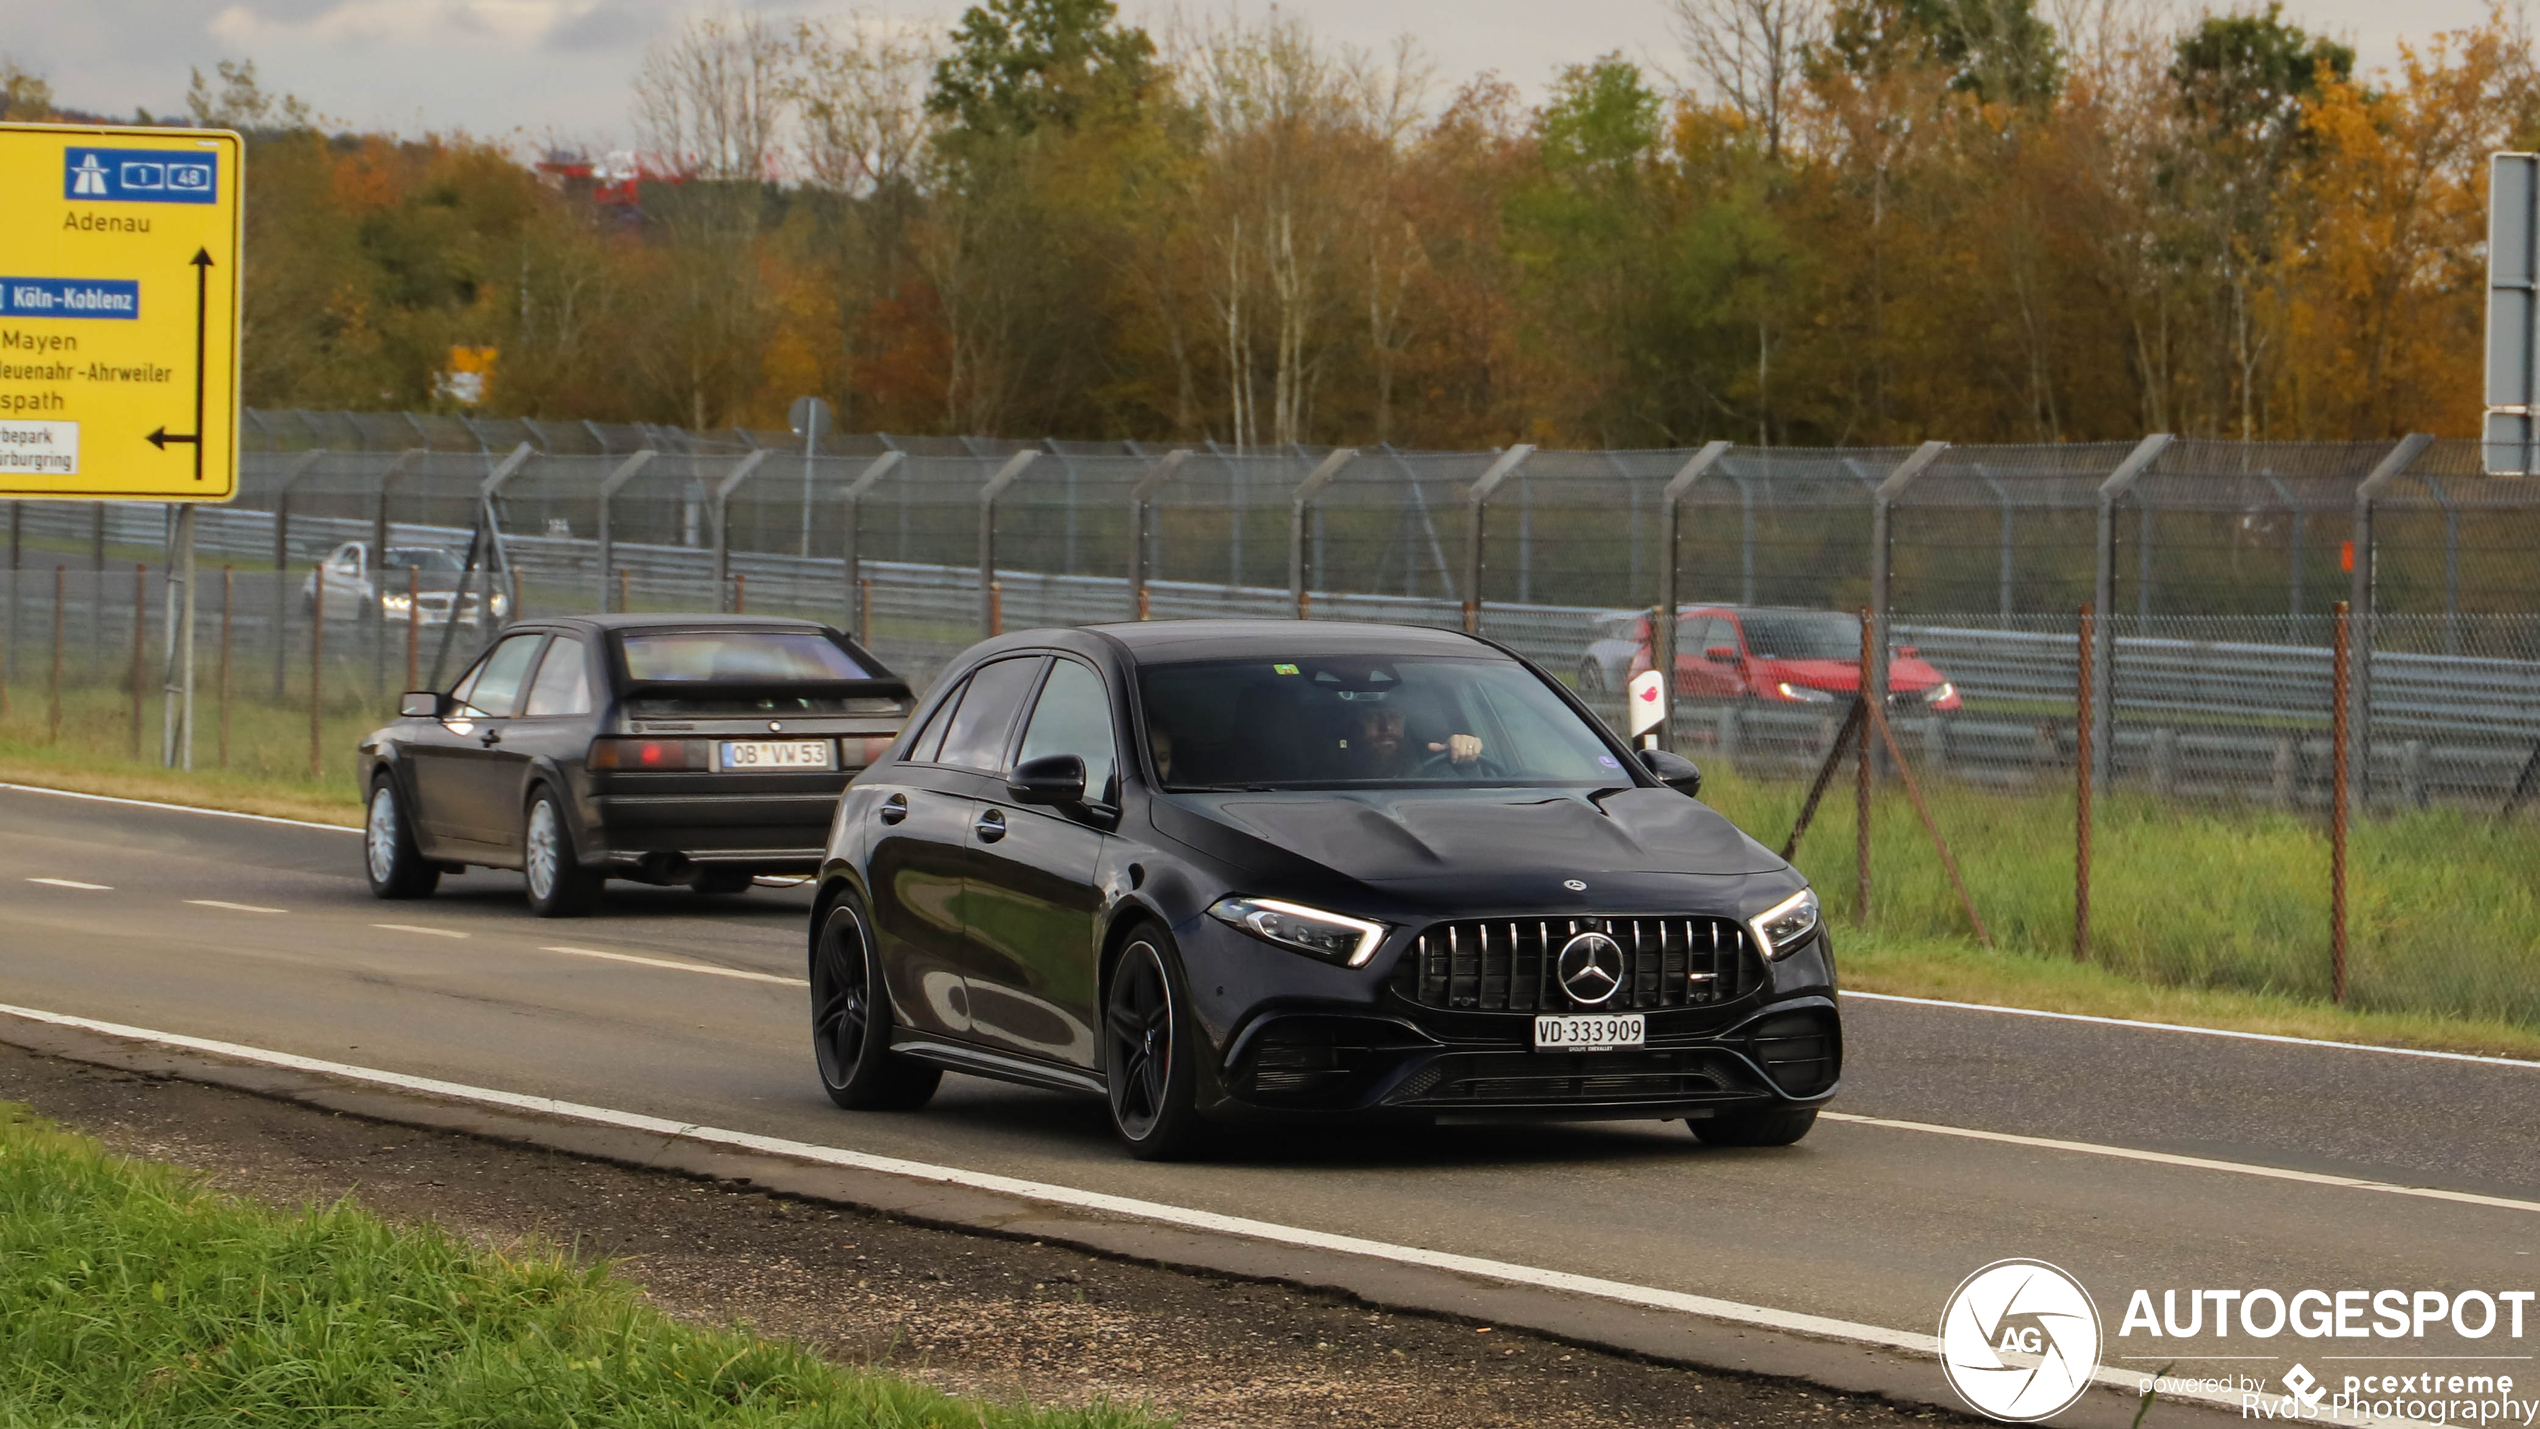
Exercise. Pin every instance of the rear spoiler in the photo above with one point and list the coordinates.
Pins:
(891, 688)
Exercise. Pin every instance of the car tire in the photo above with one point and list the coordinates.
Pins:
(1591, 678)
(1781, 1126)
(851, 1022)
(559, 886)
(396, 866)
(1151, 1050)
(721, 882)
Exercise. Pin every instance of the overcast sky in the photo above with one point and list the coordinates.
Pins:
(500, 68)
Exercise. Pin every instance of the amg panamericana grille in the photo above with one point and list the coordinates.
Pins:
(1511, 964)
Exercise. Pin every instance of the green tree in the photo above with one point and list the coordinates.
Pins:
(2001, 51)
(1021, 65)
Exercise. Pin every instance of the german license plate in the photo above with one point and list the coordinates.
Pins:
(775, 754)
(1589, 1034)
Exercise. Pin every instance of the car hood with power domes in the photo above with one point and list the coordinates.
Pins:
(1509, 836)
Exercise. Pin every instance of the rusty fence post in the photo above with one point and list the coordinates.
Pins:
(53, 689)
(414, 625)
(2082, 731)
(2341, 734)
(317, 677)
(996, 608)
(625, 588)
(220, 680)
(1861, 775)
(140, 647)
(740, 592)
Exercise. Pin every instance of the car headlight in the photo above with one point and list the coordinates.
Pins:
(1943, 692)
(1330, 936)
(1803, 693)
(1780, 928)
(396, 602)
(502, 605)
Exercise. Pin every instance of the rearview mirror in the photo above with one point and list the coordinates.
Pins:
(419, 704)
(1050, 779)
(1673, 770)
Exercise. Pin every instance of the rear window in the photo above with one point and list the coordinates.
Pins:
(757, 656)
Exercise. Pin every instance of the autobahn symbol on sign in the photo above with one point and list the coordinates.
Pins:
(119, 309)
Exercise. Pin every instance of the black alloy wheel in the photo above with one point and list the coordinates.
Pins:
(851, 1023)
(1150, 1071)
(397, 868)
(1781, 1126)
(559, 886)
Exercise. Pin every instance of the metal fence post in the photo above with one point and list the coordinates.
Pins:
(374, 612)
(609, 486)
(1142, 523)
(990, 615)
(1300, 501)
(717, 512)
(291, 476)
(2082, 764)
(851, 535)
(1662, 636)
(2340, 732)
(2360, 599)
(1477, 510)
(2103, 595)
(1882, 501)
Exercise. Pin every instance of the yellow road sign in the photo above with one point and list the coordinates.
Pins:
(119, 312)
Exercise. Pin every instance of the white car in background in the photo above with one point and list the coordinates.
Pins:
(1606, 665)
(434, 583)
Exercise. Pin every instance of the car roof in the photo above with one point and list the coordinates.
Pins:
(674, 620)
(1151, 641)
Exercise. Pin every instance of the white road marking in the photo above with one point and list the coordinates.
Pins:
(2199, 1031)
(177, 808)
(1159, 1212)
(234, 907)
(678, 966)
(419, 928)
(74, 883)
(2200, 1163)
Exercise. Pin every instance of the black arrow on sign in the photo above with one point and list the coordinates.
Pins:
(163, 438)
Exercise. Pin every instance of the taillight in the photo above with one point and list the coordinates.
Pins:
(648, 754)
(875, 746)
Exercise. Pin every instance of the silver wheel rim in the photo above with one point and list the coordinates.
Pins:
(542, 850)
(382, 844)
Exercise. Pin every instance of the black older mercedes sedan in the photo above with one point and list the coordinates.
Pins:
(1224, 870)
(702, 750)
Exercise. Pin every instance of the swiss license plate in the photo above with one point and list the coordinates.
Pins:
(1589, 1034)
(774, 754)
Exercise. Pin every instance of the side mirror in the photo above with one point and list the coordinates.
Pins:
(419, 704)
(1673, 770)
(1050, 779)
(1721, 654)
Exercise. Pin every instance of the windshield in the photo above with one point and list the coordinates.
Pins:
(1317, 722)
(1802, 634)
(432, 560)
(757, 656)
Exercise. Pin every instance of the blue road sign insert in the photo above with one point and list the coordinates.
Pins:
(140, 175)
(69, 298)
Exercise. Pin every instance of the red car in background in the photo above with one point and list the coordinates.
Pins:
(1787, 656)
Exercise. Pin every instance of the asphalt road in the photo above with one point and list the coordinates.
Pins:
(263, 933)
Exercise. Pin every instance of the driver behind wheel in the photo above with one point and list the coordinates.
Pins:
(1377, 747)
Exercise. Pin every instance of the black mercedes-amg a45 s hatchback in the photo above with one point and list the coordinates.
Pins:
(1215, 871)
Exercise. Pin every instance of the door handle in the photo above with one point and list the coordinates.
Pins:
(894, 809)
(490, 738)
(991, 826)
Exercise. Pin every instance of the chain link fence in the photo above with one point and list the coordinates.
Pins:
(2216, 567)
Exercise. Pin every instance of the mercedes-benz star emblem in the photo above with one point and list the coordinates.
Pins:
(1575, 885)
(1591, 968)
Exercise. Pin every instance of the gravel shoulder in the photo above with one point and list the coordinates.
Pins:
(968, 1314)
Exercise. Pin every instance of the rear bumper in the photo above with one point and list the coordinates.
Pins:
(771, 832)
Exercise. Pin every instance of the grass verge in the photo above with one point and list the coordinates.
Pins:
(130, 1295)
